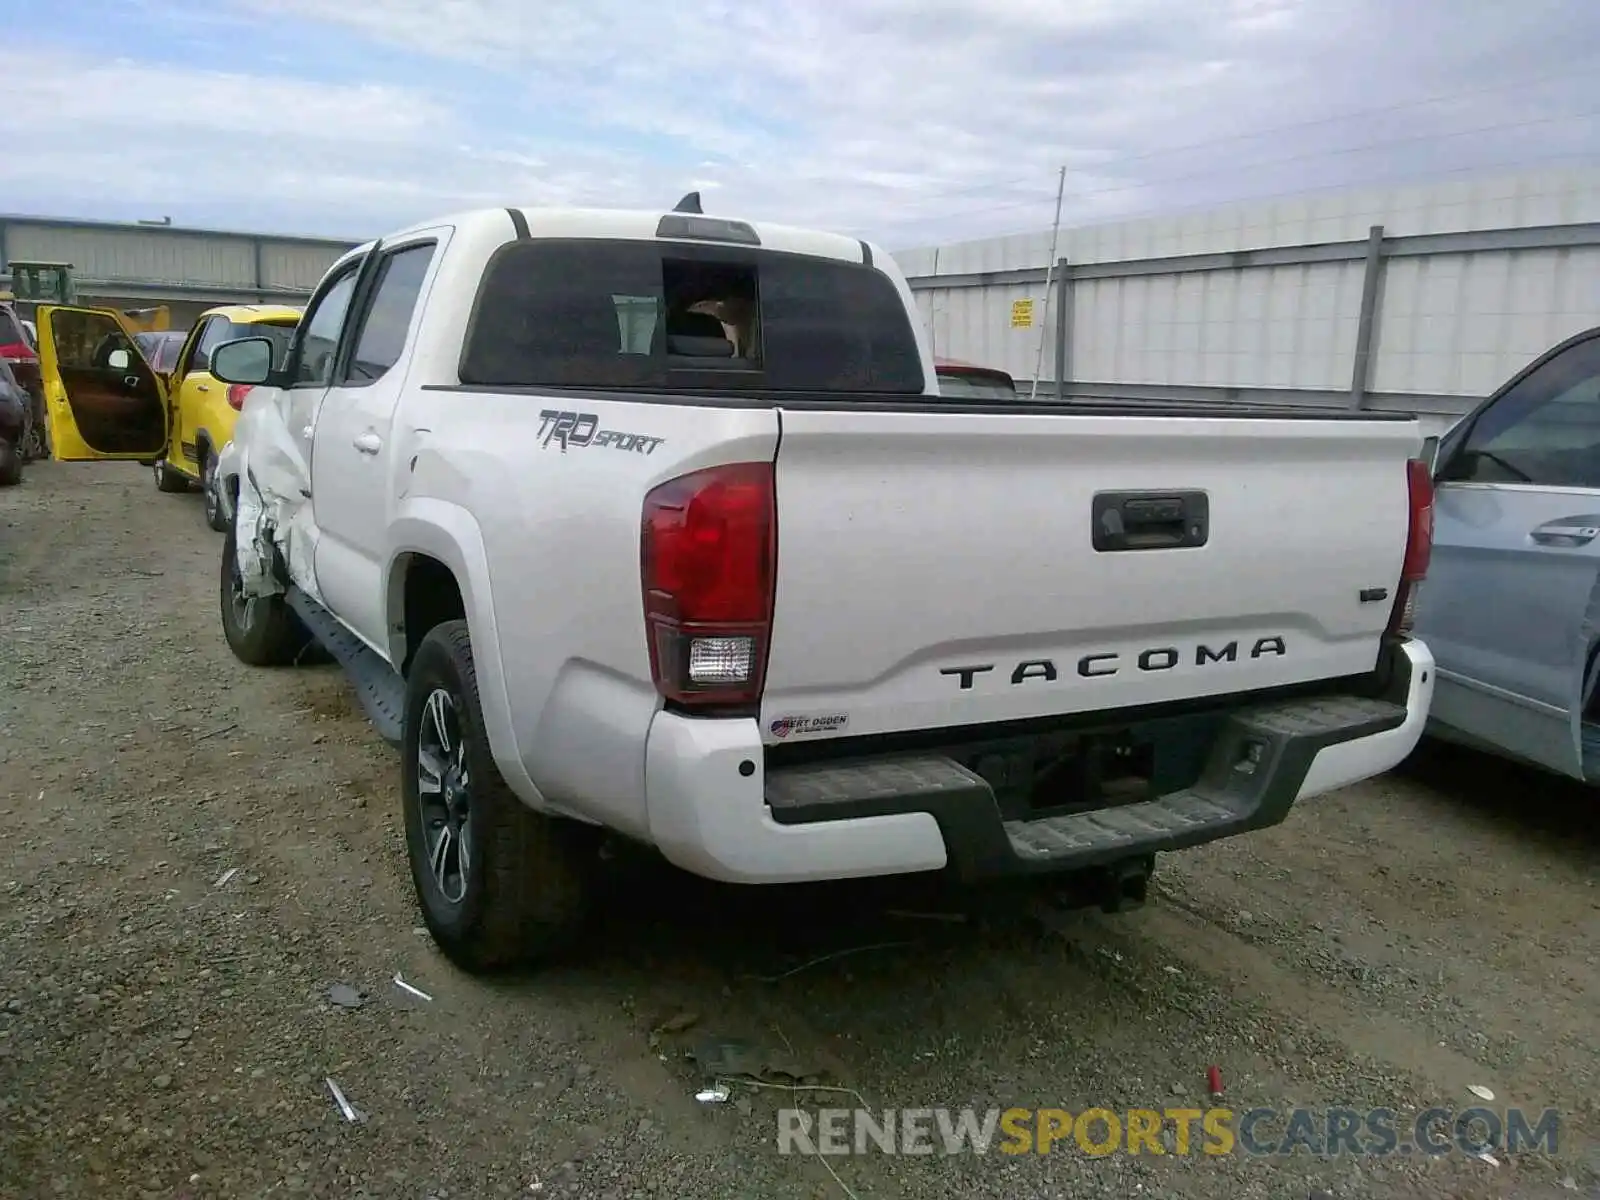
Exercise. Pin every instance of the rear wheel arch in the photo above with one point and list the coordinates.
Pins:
(443, 542)
(425, 592)
(429, 528)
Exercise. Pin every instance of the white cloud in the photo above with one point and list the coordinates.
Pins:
(60, 95)
(909, 120)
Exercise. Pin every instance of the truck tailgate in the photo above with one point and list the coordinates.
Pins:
(940, 569)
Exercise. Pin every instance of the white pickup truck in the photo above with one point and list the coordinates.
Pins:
(655, 523)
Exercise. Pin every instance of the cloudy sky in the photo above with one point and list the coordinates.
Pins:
(910, 121)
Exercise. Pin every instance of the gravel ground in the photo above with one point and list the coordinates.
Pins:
(197, 852)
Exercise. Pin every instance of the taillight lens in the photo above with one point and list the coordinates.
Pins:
(236, 394)
(16, 352)
(1419, 545)
(708, 561)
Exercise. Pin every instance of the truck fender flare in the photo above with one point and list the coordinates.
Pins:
(449, 533)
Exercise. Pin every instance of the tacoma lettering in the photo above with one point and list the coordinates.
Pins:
(967, 674)
(1095, 666)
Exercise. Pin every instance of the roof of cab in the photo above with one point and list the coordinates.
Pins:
(251, 314)
(630, 225)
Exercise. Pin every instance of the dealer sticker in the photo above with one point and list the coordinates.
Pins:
(785, 727)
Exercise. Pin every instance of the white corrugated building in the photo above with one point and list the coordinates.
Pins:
(1263, 300)
(136, 265)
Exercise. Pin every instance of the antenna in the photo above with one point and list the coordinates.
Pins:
(689, 204)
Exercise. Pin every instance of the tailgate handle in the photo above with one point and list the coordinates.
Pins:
(1150, 520)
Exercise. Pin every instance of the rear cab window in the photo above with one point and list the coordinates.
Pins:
(675, 316)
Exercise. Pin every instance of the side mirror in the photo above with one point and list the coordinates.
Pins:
(247, 361)
(119, 360)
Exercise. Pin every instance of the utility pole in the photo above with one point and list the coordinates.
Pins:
(1049, 286)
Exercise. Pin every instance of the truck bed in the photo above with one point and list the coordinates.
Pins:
(1131, 406)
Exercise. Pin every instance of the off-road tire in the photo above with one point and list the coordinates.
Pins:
(10, 463)
(168, 480)
(264, 633)
(529, 877)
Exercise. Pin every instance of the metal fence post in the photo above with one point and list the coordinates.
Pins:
(1063, 327)
(1366, 327)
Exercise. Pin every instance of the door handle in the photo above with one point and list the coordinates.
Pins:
(1561, 534)
(202, 387)
(306, 431)
(368, 442)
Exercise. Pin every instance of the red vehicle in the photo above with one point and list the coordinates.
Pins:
(966, 379)
(17, 352)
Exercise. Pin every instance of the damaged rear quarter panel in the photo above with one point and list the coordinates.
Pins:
(560, 585)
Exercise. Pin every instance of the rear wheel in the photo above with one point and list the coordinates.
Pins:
(10, 463)
(499, 884)
(215, 518)
(168, 480)
(260, 630)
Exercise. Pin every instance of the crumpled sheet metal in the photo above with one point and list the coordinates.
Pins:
(274, 498)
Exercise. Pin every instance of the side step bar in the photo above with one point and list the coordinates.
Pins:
(380, 688)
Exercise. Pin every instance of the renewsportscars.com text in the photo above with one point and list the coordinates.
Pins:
(1258, 1132)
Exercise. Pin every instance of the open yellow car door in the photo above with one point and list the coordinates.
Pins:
(103, 400)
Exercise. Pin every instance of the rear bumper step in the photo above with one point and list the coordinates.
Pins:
(1255, 770)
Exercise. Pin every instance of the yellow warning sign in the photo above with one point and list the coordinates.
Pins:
(1022, 314)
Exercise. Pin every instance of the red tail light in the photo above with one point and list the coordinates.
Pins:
(708, 561)
(17, 352)
(236, 394)
(1419, 545)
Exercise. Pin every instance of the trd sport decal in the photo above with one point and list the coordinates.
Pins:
(577, 430)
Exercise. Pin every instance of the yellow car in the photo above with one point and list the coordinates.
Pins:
(105, 400)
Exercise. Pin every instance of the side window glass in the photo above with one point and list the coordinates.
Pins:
(216, 332)
(394, 299)
(197, 359)
(1545, 430)
(320, 334)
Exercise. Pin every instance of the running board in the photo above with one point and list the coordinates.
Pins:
(380, 688)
